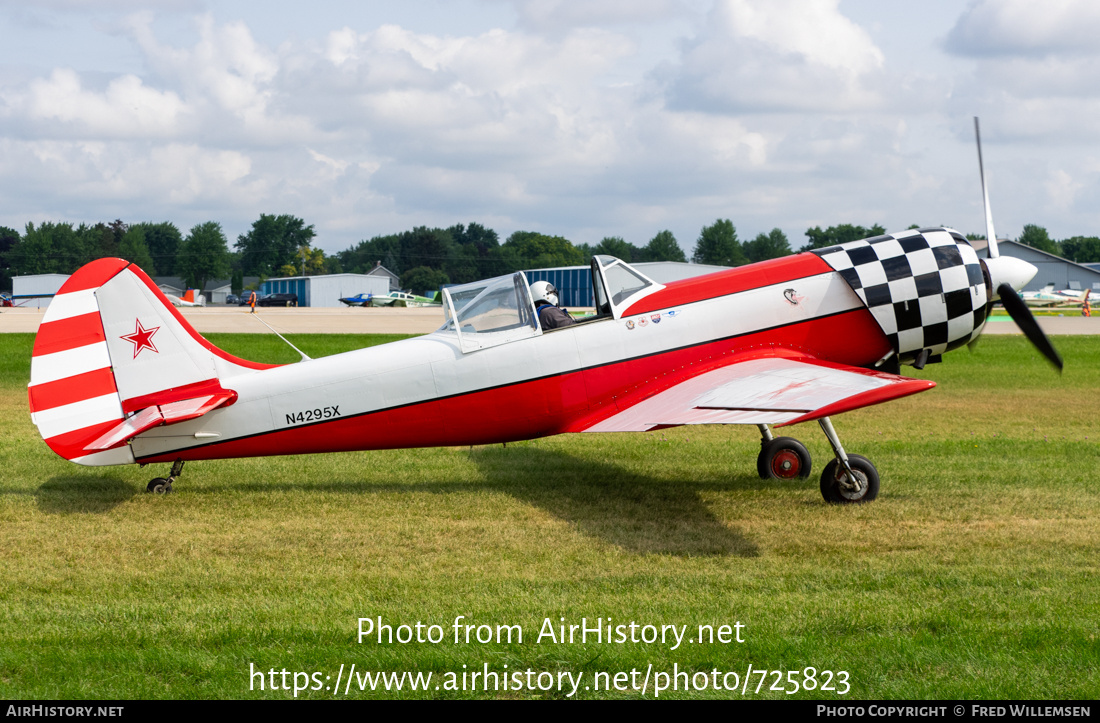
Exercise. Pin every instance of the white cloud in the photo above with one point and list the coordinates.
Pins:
(557, 15)
(769, 113)
(777, 55)
(1062, 189)
(1017, 27)
(126, 108)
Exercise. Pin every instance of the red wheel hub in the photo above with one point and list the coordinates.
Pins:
(786, 464)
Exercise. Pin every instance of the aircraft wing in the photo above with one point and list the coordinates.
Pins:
(777, 391)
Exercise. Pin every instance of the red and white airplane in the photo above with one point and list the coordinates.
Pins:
(118, 376)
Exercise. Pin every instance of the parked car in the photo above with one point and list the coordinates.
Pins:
(231, 299)
(246, 298)
(278, 300)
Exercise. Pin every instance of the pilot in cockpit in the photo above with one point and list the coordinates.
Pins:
(551, 316)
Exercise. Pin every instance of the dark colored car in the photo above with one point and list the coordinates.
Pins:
(246, 297)
(278, 300)
(231, 299)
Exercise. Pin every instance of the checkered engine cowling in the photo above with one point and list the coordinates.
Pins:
(924, 287)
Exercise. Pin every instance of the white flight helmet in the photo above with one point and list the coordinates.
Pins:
(544, 291)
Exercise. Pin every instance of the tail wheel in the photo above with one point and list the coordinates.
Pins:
(159, 486)
(783, 458)
(837, 488)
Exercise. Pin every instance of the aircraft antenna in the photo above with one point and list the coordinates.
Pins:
(305, 357)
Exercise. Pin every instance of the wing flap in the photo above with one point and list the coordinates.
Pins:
(771, 390)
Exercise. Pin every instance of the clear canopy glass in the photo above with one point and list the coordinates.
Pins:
(491, 312)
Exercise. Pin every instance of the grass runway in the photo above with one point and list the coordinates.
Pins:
(974, 575)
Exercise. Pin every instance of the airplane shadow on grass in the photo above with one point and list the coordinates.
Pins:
(67, 494)
(638, 513)
(635, 512)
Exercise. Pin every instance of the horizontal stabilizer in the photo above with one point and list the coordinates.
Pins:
(161, 414)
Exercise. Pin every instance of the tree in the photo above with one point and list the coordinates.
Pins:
(475, 234)
(532, 250)
(771, 245)
(476, 253)
(103, 240)
(425, 246)
(203, 255)
(619, 248)
(663, 247)
(843, 233)
(52, 248)
(133, 249)
(1037, 238)
(363, 257)
(718, 245)
(464, 264)
(272, 242)
(423, 279)
(311, 262)
(1082, 249)
(163, 241)
(9, 239)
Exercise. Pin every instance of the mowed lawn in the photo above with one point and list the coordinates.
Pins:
(974, 575)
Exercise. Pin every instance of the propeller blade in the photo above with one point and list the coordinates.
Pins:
(990, 234)
(1024, 319)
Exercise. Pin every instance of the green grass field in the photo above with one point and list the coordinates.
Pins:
(974, 575)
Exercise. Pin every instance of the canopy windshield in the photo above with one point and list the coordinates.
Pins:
(491, 312)
(622, 283)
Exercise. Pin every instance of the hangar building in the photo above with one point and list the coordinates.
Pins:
(35, 291)
(327, 289)
(1064, 274)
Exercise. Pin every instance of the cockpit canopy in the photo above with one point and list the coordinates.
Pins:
(500, 310)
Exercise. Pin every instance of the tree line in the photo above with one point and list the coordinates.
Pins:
(424, 258)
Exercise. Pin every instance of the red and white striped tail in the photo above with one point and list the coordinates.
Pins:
(110, 346)
(73, 395)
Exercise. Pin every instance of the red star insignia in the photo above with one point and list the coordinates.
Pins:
(142, 338)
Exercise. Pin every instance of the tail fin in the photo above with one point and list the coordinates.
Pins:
(112, 358)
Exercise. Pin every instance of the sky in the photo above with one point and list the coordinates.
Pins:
(585, 120)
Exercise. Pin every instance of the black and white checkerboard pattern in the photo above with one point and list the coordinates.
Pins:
(924, 287)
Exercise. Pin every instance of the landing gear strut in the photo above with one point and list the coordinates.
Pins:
(848, 478)
(163, 485)
(781, 457)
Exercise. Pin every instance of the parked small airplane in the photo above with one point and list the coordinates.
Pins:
(118, 376)
(403, 298)
(394, 298)
(357, 300)
(189, 298)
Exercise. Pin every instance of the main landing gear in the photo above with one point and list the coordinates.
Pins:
(781, 457)
(847, 478)
(163, 485)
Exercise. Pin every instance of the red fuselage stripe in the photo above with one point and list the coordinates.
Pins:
(721, 283)
(566, 402)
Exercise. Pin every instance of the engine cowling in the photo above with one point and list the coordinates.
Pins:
(926, 288)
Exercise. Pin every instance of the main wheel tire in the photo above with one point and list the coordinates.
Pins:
(159, 486)
(834, 485)
(784, 458)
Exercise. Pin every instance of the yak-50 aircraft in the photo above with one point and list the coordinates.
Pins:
(118, 376)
